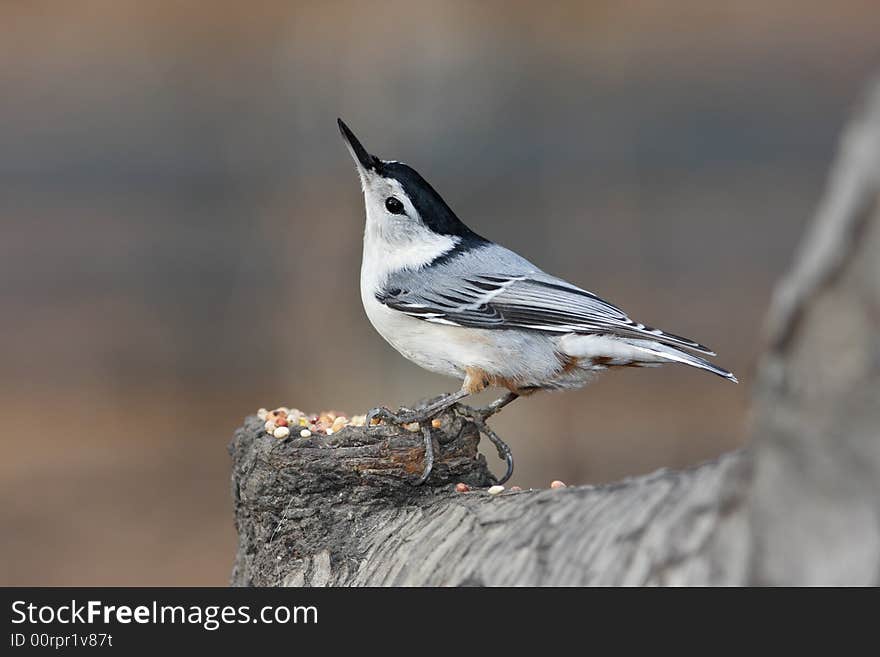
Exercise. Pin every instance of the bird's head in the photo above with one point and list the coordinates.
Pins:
(402, 207)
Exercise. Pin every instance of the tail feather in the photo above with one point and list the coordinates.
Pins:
(639, 331)
(670, 353)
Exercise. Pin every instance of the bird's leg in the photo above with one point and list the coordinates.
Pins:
(420, 415)
(479, 420)
(479, 416)
(491, 409)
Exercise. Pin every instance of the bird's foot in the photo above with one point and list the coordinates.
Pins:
(384, 414)
(404, 417)
(423, 416)
(478, 417)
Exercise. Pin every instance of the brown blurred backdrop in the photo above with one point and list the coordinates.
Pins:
(181, 230)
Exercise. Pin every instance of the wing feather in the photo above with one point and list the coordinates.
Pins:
(534, 301)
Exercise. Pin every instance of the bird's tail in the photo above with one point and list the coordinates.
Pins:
(675, 355)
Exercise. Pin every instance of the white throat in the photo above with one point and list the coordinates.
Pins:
(390, 247)
(382, 257)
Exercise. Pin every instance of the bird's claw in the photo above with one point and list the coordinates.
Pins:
(405, 416)
(383, 413)
(429, 456)
(477, 416)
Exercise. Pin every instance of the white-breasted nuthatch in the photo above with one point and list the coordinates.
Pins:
(458, 304)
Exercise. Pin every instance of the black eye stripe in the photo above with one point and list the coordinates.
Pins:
(393, 205)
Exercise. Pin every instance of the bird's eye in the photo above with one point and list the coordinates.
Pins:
(393, 205)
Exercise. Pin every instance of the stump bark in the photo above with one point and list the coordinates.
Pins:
(800, 505)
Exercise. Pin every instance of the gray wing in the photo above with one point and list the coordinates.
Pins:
(467, 294)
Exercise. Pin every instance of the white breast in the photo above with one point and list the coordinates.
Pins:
(432, 346)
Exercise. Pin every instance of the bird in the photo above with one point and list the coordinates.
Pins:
(458, 304)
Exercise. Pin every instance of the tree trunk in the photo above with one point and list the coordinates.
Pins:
(801, 505)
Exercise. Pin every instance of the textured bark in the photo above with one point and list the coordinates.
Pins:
(801, 505)
(815, 499)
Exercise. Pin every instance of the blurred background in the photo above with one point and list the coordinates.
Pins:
(181, 229)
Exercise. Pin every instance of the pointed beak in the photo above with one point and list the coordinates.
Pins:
(364, 160)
